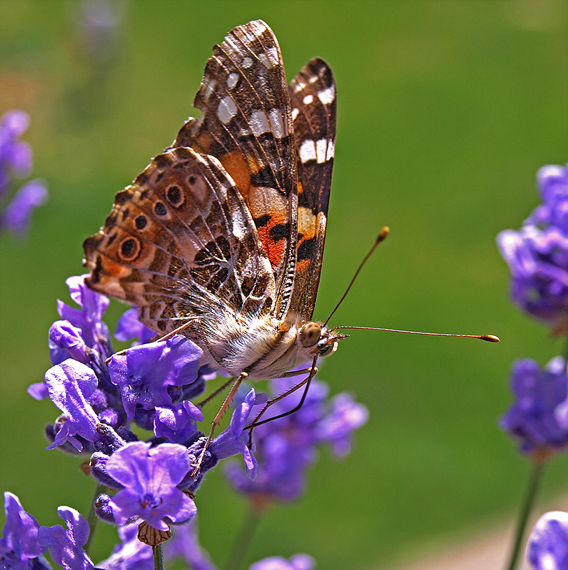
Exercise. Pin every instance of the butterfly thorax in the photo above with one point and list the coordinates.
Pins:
(264, 347)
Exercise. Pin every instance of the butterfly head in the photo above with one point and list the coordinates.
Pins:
(317, 339)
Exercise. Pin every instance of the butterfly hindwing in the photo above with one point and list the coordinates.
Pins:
(247, 125)
(180, 243)
(313, 100)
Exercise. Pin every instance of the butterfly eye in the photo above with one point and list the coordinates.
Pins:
(309, 334)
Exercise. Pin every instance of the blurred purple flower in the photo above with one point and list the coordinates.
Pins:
(296, 562)
(532, 419)
(144, 373)
(16, 216)
(130, 554)
(286, 447)
(150, 477)
(19, 544)
(16, 160)
(538, 254)
(66, 546)
(185, 545)
(548, 543)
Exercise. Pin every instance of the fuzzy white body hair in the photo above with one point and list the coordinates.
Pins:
(264, 347)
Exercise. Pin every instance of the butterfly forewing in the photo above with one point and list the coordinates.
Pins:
(312, 94)
(247, 125)
(180, 244)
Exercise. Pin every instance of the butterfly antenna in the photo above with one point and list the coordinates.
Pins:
(381, 237)
(487, 337)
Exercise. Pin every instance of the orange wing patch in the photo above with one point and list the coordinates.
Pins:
(268, 209)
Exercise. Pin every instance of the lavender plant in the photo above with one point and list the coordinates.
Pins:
(146, 486)
(538, 419)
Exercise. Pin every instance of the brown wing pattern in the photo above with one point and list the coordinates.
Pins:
(313, 99)
(180, 244)
(247, 125)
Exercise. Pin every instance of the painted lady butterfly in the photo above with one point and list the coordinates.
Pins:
(224, 232)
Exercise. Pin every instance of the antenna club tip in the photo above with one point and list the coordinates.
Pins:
(383, 234)
(490, 338)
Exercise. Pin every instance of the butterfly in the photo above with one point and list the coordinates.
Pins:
(222, 236)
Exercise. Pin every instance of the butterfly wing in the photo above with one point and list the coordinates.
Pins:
(247, 125)
(181, 245)
(312, 94)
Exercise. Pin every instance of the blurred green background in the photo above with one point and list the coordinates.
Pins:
(446, 109)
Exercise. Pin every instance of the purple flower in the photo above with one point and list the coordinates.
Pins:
(16, 216)
(548, 543)
(130, 554)
(531, 419)
(70, 384)
(129, 328)
(233, 440)
(15, 155)
(66, 341)
(19, 543)
(16, 159)
(66, 546)
(296, 562)
(89, 317)
(150, 477)
(538, 254)
(176, 423)
(286, 447)
(185, 546)
(144, 372)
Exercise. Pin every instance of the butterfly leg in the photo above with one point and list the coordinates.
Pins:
(305, 382)
(217, 419)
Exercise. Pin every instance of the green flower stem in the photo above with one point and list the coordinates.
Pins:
(92, 518)
(526, 507)
(243, 539)
(158, 557)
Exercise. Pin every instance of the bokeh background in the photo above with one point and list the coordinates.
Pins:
(446, 109)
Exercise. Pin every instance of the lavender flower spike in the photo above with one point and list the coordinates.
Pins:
(150, 477)
(538, 254)
(548, 543)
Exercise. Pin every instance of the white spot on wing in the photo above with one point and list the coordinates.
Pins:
(278, 123)
(227, 109)
(259, 123)
(273, 55)
(247, 62)
(232, 80)
(327, 95)
(321, 150)
(308, 99)
(238, 230)
(299, 86)
(209, 87)
(307, 151)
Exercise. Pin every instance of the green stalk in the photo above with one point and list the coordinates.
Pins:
(243, 539)
(92, 518)
(158, 557)
(526, 507)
